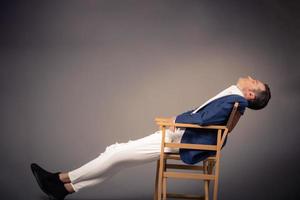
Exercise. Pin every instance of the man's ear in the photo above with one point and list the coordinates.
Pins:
(250, 95)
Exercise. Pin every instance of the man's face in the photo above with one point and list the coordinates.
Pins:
(249, 85)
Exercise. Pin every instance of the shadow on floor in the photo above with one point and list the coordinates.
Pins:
(44, 197)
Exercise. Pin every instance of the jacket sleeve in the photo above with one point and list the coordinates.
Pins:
(188, 112)
(217, 115)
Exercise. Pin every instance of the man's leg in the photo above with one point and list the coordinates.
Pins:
(116, 157)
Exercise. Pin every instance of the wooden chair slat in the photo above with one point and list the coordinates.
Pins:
(191, 146)
(184, 196)
(186, 167)
(188, 175)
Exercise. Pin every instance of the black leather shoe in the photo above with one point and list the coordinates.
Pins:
(49, 182)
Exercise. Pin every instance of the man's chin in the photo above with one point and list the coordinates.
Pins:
(239, 81)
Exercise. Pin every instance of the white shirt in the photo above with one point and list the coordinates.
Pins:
(232, 90)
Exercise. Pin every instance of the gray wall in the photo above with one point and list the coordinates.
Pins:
(77, 76)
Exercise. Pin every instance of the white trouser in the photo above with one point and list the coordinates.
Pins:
(119, 156)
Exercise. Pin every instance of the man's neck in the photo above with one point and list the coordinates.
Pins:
(240, 88)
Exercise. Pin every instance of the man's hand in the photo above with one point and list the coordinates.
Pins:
(172, 128)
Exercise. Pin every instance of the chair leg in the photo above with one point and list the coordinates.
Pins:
(210, 169)
(159, 183)
(206, 190)
(217, 167)
(156, 181)
(164, 188)
(206, 184)
(216, 178)
(160, 177)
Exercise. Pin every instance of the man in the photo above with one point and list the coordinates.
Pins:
(248, 92)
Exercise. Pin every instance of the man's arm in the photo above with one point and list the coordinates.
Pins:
(216, 115)
(172, 128)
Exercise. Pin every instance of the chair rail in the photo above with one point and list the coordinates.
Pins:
(192, 146)
(161, 122)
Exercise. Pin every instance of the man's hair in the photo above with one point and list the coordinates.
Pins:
(262, 98)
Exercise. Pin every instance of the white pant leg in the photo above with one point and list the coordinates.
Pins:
(119, 156)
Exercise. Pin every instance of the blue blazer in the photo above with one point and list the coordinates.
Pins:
(214, 113)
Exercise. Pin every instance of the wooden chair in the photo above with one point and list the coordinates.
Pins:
(208, 164)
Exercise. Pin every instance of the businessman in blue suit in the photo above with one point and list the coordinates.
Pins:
(249, 92)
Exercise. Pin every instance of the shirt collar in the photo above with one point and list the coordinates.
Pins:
(232, 90)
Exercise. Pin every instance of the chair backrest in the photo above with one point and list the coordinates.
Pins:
(234, 117)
